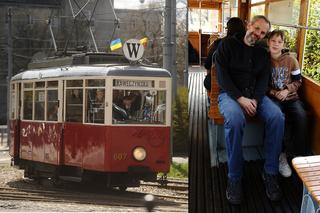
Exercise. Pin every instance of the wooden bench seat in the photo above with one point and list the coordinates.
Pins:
(308, 169)
(214, 112)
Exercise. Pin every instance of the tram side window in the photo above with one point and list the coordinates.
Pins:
(39, 105)
(39, 100)
(74, 104)
(160, 109)
(95, 105)
(52, 105)
(27, 105)
(139, 106)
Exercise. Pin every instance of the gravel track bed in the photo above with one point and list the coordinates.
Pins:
(13, 178)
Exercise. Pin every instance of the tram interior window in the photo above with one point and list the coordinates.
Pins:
(52, 105)
(74, 105)
(138, 106)
(95, 105)
(39, 105)
(27, 105)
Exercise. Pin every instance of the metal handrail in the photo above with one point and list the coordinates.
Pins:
(296, 26)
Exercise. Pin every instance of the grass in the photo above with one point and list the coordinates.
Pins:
(178, 170)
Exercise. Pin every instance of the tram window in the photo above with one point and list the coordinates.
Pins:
(74, 99)
(52, 105)
(39, 105)
(74, 83)
(52, 84)
(256, 1)
(257, 10)
(28, 85)
(95, 83)
(27, 105)
(40, 84)
(162, 84)
(139, 106)
(95, 105)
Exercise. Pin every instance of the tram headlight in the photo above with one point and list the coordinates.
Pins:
(139, 153)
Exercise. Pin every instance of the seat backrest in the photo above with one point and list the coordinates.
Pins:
(214, 109)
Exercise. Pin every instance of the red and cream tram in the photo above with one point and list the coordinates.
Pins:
(94, 121)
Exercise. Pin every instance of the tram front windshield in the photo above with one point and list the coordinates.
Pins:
(138, 106)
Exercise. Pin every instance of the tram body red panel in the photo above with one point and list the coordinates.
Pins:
(84, 146)
(14, 138)
(103, 148)
(40, 142)
(156, 141)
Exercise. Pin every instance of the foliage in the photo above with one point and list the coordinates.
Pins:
(180, 123)
(311, 65)
(178, 170)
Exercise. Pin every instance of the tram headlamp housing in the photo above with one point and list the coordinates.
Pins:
(139, 153)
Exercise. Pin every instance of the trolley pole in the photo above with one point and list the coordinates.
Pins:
(9, 31)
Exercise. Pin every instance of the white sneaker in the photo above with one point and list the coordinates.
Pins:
(284, 168)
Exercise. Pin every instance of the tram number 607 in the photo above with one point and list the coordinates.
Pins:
(119, 156)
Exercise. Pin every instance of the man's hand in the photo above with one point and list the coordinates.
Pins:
(282, 95)
(248, 105)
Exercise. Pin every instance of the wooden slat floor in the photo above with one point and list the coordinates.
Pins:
(255, 199)
(207, 184)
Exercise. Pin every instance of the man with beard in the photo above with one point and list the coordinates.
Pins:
(243, 69)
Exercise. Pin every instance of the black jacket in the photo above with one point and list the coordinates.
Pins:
(208, 62)
(242, 70)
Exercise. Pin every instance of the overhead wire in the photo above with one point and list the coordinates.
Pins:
(95, 20)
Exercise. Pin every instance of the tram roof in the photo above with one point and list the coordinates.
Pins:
(91, 70)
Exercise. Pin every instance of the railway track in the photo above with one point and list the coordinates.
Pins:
(169, 184)
(111, 198)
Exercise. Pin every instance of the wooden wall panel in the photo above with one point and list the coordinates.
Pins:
(193, 37)
(311, 96)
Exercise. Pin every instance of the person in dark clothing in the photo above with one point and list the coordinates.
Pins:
(243, 70)
(234, 25)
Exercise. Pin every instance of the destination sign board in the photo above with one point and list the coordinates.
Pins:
(133, 83)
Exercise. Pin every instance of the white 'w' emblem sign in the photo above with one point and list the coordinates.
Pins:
(133, 49)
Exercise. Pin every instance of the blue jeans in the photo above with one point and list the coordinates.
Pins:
(234, 123)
